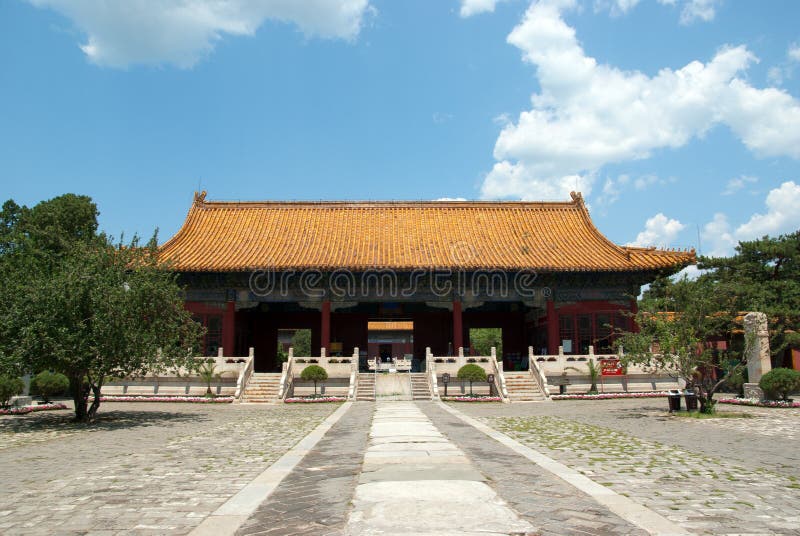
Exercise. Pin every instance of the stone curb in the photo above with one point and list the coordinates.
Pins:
(227, 519)
(627, 509)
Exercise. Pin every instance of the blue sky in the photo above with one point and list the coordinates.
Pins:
(678, 119)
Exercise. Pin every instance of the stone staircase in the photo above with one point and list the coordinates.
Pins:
(522, 387)
(262, 387)
(366, 386)
(420, 388)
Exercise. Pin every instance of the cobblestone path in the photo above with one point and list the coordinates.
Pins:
(314, 498)
(705, 494)
(143, 469)
(768, 440)
(544, 500)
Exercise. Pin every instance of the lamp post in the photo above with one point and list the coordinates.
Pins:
(445, 381)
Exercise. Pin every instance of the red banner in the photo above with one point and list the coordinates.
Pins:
(610, 367)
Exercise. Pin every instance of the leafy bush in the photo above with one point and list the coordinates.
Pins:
(780, 382)
(10, 387)
(208, 373)
(314, 373)
(594, 374)
(471, 373)
(48, 384)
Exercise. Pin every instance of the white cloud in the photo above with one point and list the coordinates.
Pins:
(658, 231)
(588, 114)
(794, 52)
(694, 10)
(121, 33)
(451, 199)
(475, 7)
(717, 238)
(782, 215)
(615, 7)
(775, 76)
(612, 189)
(738, 183)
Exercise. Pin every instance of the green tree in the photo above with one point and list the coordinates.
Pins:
(482, 340)
(675, 322)
(594, 374)
(471, 373)
(301, 342)
(314, 373)
(85, 306)
(48, 384)
(208, 373)
(764, 276)
(9, 386)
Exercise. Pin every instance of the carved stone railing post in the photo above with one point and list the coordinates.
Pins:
(536, 372)
(500, 377)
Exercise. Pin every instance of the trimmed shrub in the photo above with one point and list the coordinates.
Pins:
(48, 384)
(780, 382)
(471, 373)
(9, 387)
(314, 373)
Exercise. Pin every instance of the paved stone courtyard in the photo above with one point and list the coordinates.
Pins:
(163, 468)
(143, 469)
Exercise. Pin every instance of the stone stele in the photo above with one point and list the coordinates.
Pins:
(758, 354)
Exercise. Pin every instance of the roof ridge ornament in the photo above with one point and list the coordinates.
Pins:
(200, 198)
(577, 197)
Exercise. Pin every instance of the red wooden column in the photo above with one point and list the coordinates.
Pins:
(325, 332)
(458, 327)
(552, 328)
(229, 329)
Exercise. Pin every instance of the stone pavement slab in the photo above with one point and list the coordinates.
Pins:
(315, 497)
(684, 482)
(551, 505)
(142, 469)
(415, 490)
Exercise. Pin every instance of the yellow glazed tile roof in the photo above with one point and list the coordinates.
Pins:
(222, 236)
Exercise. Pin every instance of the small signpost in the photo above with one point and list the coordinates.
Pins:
(609, 367)
(445, 381)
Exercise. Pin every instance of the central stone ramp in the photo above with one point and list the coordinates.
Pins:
(393, 386)
(415, 481)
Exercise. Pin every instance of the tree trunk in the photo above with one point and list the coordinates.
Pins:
(80, 395)
(95, 403)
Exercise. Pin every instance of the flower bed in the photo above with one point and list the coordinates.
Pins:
(22, 410)
(472, 399)
(608, 396)
(314, 400)
(759, 403)
(189, 399)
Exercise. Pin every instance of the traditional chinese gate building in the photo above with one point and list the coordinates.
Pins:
(540, 271)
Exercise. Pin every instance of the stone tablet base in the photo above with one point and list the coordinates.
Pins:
(752, 390)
